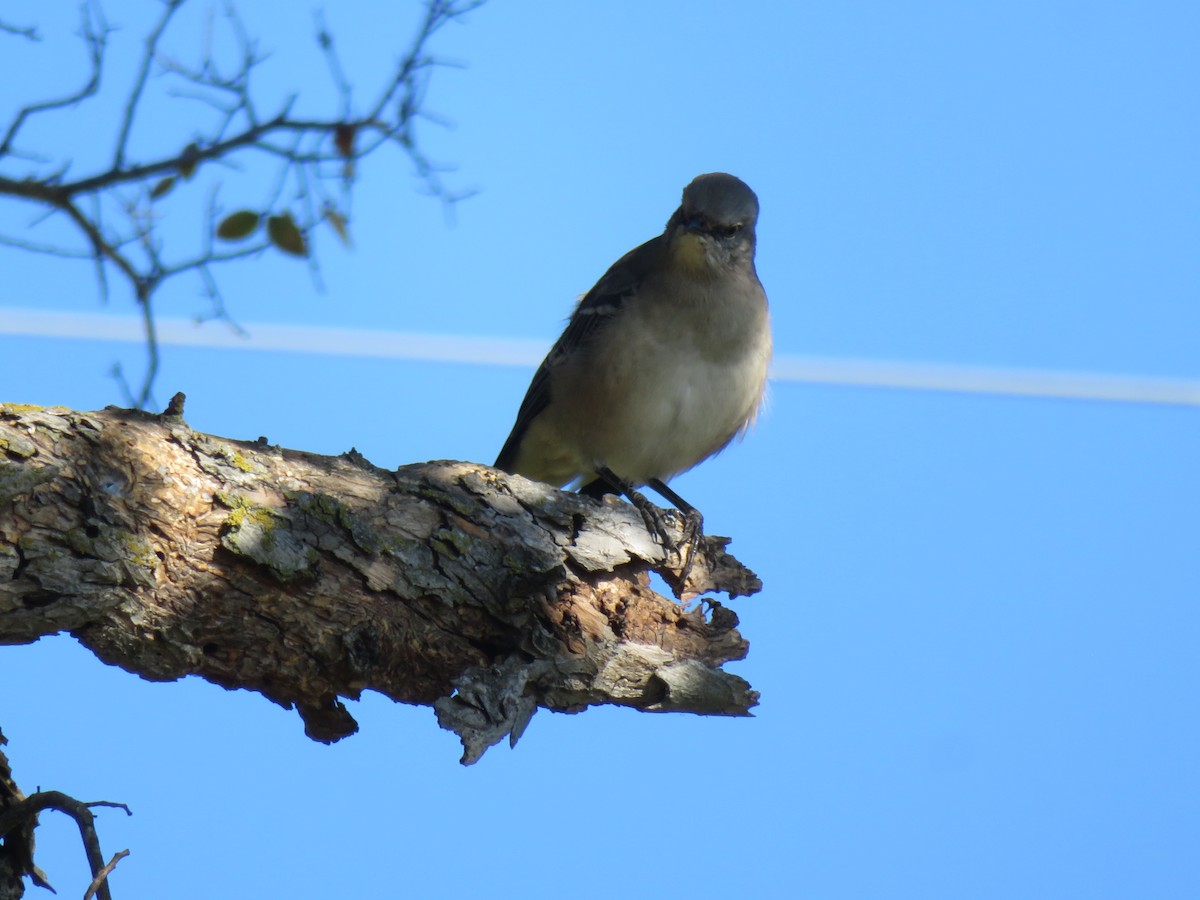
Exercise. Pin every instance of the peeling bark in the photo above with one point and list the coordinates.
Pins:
(306, 578)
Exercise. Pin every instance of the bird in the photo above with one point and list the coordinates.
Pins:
(662, 364)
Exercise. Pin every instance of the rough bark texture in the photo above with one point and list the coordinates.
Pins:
(169, 552)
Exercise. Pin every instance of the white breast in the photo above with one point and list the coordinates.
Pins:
(683, 407)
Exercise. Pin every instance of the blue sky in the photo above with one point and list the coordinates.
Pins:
(977, 641)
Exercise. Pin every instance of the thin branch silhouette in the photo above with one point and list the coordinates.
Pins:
(116, 209)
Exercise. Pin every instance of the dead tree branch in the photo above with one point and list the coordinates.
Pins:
(310, 579)
(99, 883)
(117, 210)
(19, 819)
(21, 813)
(27, 31)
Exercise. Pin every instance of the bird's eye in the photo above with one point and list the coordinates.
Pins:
(727, 231)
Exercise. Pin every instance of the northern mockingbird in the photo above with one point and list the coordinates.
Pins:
(661, 365)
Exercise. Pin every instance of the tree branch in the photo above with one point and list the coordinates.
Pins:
(310, 579)
(18, 818)
(94, 36)
(99, 885)
(170, 7)
(309, 155)
(29, 32)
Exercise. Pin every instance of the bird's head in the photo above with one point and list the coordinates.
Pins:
(714, 225)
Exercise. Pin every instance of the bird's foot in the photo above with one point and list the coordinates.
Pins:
(654, 517)
(683, 550)
(693, 532)
(686, 546)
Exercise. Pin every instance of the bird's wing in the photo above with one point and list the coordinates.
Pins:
(606, 299)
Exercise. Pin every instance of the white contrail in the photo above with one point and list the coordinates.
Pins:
(516, 352)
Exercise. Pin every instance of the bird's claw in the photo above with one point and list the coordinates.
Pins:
(686, 547)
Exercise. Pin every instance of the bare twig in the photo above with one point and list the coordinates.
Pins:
(95, 36)
(47, 249)
(139, 85)
(325, 42)
(117, 209)
(150, 330)
(101, 878)
(29, 32)
(21, 811)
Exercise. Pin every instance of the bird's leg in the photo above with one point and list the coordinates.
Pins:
(693, 528)
(609, 482)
